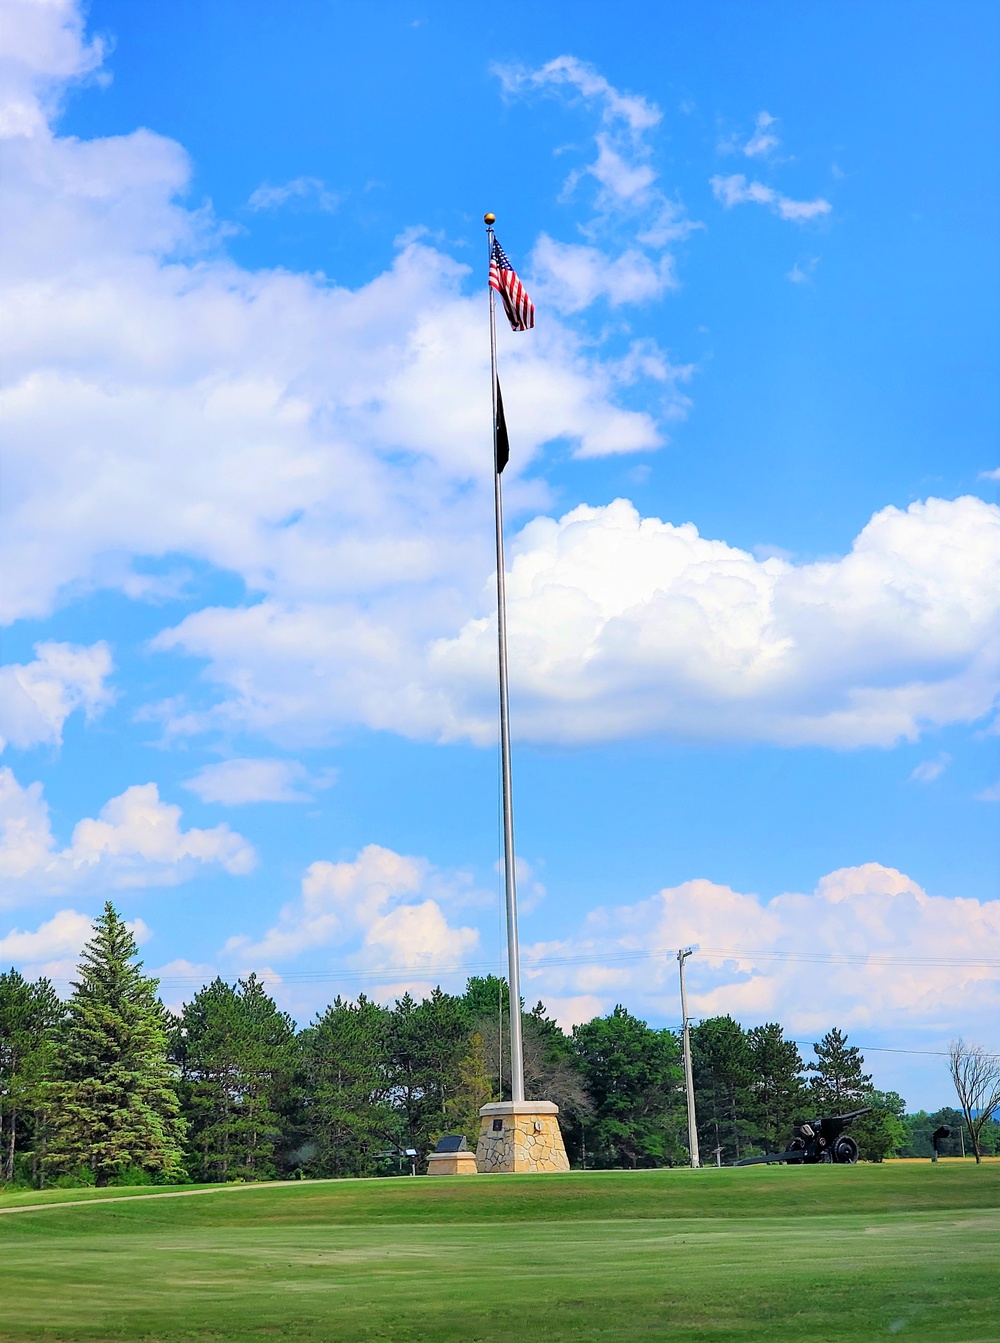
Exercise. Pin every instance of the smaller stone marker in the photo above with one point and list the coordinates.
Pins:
(452, 1157)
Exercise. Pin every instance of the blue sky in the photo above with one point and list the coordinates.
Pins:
(752, 511)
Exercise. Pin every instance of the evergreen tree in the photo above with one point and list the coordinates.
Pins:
(235, 1050)
(427, 1043)
(633, 1077)
(778, 1095)
(486, 998)
(723, 1071)
(839, 1083)
(29, 1015)
(347, 1117)
(113, 1104)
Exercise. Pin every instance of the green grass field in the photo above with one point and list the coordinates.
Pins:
(780, 1253)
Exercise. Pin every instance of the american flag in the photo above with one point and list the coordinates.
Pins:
(503, 278)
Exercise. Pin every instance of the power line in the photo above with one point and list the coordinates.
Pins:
(885, 1049)
(613, 957)
(325, 976)
(851, 958)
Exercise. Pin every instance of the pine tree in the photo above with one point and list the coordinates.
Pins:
(486, 998)
(113, 1104)
(839, 1083)
(347, 1117)
(633, 1075)
(427, 1042)
(723, 1070)
(778, 1094)
(235, 1050)
(29, 1016)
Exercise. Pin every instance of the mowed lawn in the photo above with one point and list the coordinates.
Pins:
(781, 1253)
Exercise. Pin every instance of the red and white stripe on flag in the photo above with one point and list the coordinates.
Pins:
(503, 278)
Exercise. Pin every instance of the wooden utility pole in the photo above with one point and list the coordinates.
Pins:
(688, 1072)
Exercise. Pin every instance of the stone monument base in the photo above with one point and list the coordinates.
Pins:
(452, 1163)
(520, 1136)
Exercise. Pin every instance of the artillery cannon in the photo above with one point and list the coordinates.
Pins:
(816, 1140)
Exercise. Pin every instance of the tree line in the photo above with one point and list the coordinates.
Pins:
(111, 1087)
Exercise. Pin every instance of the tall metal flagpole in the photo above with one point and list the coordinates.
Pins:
(510, 888)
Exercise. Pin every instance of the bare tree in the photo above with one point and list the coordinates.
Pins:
(976, 1074)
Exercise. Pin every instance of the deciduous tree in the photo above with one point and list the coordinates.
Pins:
(475, 1089)
(881, 1132)
(976, 1074)
(551, 1065)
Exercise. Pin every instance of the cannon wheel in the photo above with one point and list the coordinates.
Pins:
(845, 1150)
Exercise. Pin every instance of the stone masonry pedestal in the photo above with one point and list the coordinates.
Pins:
(452, 1163)
(521, 1136)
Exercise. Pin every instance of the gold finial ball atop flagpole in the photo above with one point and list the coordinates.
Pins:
(489, 219)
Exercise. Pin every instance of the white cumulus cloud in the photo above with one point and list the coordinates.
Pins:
(868, 948)
(571, 276)
(621, 625)
(135, 840)
(53, 949)
(160, 400)
(37, 697)
(43, 50)
(61, 936)
(388, 910)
